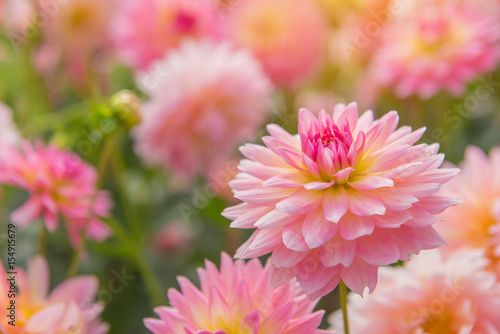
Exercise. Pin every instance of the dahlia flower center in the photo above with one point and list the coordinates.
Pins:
(184, 22)
(438, 324)
(80, 16)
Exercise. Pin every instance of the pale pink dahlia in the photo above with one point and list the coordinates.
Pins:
(340, 199)
(438, 45)
(210, 99)
(144, 30)
(60, 184)
(68, 309)
(475, 223)
(431, 294)
(238, 299)
(287, 37)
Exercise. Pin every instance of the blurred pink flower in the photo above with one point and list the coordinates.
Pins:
(438, 45)
(174, 236)
(59, 184)
(430, 294)
(287, 37)
(210, 99)
(340, 199)
(475, 223)
(219, 178)
(238, 299)
(144, 30)
(8, 130)
(69, 308)
(77, 26)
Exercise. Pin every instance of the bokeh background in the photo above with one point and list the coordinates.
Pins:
(87, 75)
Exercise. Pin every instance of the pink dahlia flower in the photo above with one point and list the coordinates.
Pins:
(475, 223)
(238, 299)
(59, 184)
(144, 30)
(439, 45)
(211, 99)
(69, 308)
(431, 295)
(340, 199)
(287, 37)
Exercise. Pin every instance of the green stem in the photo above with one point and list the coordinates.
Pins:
(343, 304)
(75, 261)
(42, 240)
(151, 281)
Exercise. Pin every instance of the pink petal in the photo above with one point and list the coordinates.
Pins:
(283, 257)
(353, 227)
(293, 237)
(301, 202)
(316, 229)
(28, 212)
(82, 290)
(363, 203)
(360, 275)
(313, 275)
(275, 219)
(266, 238)
(47, 320)
(264, 195)
(249, 217)
(365, 183)
(338, 251)
(378, 249)
(38, 278)
(335, 204)
(292, 180)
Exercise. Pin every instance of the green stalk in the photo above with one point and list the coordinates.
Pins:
(343, 304)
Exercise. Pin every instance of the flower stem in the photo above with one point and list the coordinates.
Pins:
(151, 281)
(343, 304)
(42, 240)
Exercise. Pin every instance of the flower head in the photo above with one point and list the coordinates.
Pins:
(145, 30)
(60, 184)
(475, 223)
(238, 299)
(271, 29)
(69, 308)
(431, 294)
(440, 45)
(338, 200)
(211, 98)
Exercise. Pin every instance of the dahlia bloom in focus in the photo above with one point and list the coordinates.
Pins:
(238, 299)
(431, 294)
(437, 46)
(475, 223)
(288, 38)
(144, 30)
(343, 197)
(69, 308)
(211, 99)
(59, 184)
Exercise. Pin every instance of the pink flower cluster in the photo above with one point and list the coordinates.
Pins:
(346, 195)
(438, 45)
(236, 299)
(430, 294)
(69, 308)
(475, 223)
(211, 98)
(60, 184)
